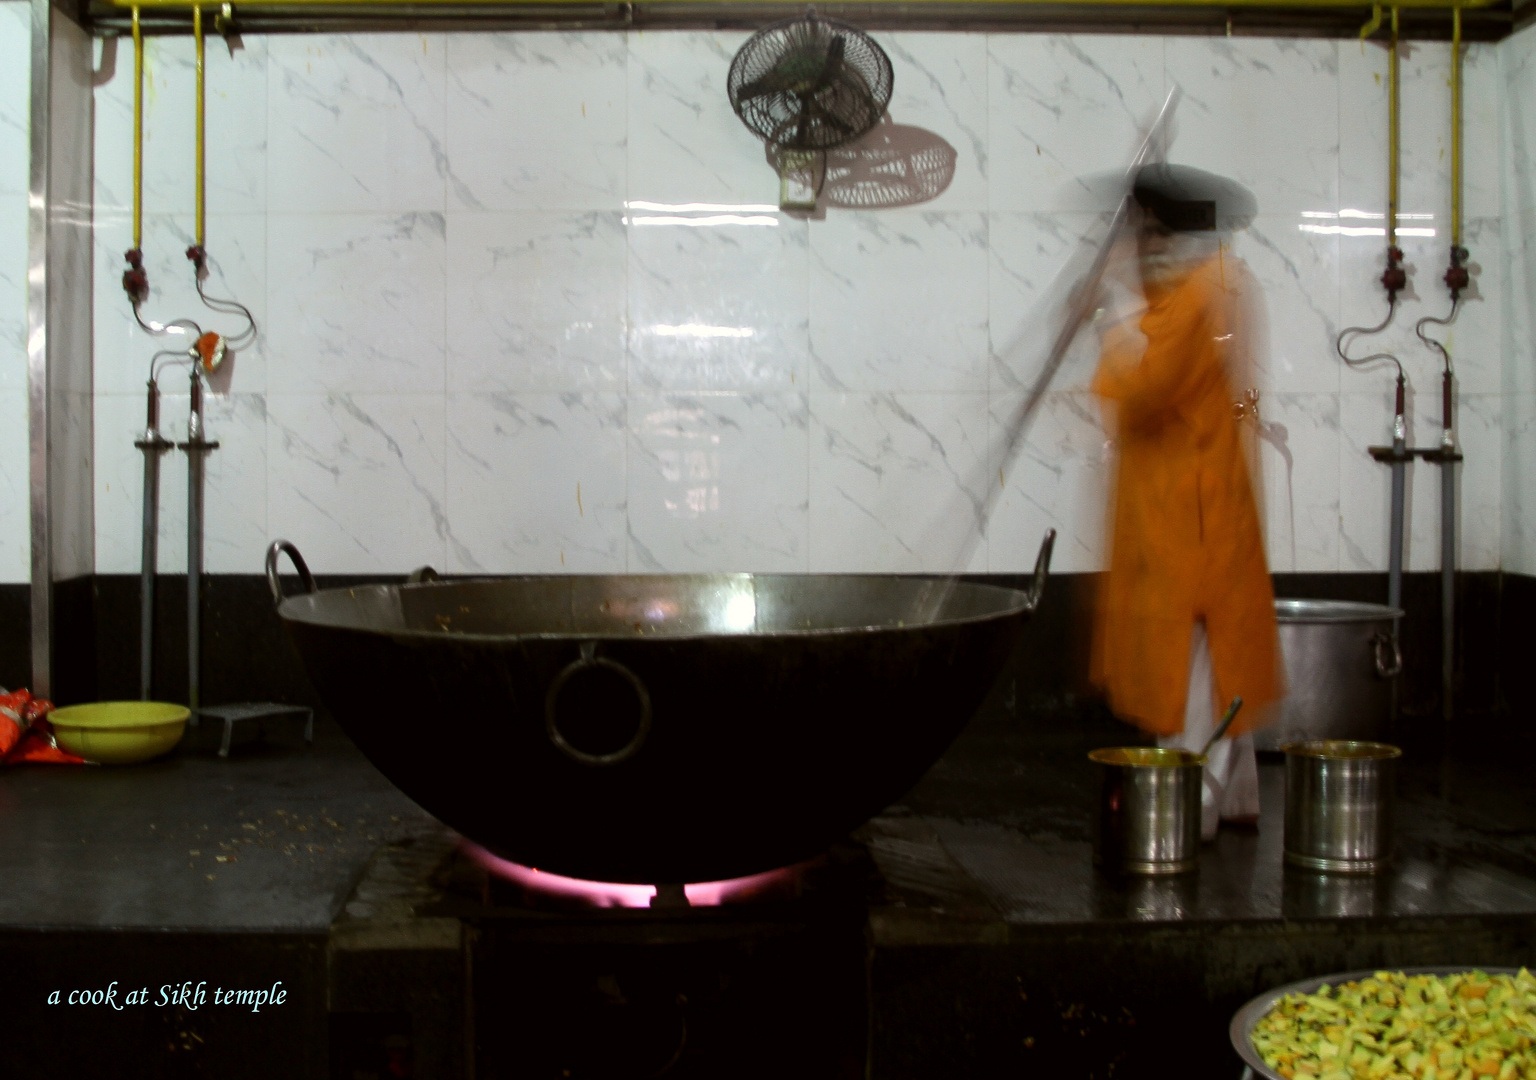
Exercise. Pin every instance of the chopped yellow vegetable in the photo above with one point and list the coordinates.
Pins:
(1392, 1026)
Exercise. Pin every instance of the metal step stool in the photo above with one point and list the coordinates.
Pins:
(261, 710)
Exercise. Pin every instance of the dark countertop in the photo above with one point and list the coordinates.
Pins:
(1009, 806)
(141, 846)
(1013, 800)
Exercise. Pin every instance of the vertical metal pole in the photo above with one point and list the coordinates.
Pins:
(1399, 466)
(1448, 459)
(147, 574)
(59, 378)
(153, 446)
(38, 398)
(194, 448)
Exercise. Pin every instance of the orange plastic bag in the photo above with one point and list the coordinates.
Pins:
(25, 734)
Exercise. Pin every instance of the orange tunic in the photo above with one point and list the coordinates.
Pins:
(1187, 541)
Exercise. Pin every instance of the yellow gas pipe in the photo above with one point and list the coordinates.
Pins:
(1456, 127)
(197, 34)
(138, 132)
(1392, 129)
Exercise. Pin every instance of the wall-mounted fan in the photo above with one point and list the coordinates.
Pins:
(804, 86)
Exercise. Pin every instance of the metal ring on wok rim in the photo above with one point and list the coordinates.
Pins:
(590, 659)
(1247, 1018)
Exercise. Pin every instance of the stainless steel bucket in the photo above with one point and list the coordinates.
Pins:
(1340, 660)
(1338, 804)
(1149, 810)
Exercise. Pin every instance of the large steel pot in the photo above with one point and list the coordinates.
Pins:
(1340, 659)
(658, 729)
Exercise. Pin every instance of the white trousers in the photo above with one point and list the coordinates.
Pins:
(1232, 771)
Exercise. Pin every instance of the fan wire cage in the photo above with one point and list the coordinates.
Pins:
(804, 86)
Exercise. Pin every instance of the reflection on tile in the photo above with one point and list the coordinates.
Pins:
(15, 94)
(535, 301)
(15, 532)
(718, 306)
(899, 302)
(537, 121)
(940, 85)
(73, 499)
(898, 482)
(362, 303)
(1296, 273)
(356, 123)
(236, 269)
(685, 143)
(717, 482)
(536, 483)
(1424, 179)
(1480, 436)
(357, 480)
(1058, 479)
(1299, 457)
(1365, 494)
(236, 129)
(1064, 108)
(1519, 484)
(1029, 255)
(1264, 111)
(13, 291)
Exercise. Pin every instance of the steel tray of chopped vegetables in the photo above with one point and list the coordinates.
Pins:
(1440, 1023)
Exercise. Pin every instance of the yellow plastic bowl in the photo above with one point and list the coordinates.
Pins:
(119, 732)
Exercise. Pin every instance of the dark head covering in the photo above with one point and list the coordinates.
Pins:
(1192, 200)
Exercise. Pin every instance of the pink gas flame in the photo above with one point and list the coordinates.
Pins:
(612, 894)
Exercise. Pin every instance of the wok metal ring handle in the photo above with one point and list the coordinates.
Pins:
(1386, 670)
(274, 583)
(1042, 570)
(590, 659)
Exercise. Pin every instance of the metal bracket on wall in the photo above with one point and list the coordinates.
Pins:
(1437, 454)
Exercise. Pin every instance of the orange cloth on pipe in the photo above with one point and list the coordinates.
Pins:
(1187, 540)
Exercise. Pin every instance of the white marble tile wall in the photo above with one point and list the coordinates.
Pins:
(15, 75)
(1517, 64)
(528, 304)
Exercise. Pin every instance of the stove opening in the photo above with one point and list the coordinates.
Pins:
(541, 888)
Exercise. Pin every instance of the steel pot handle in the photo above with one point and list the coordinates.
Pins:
(274, 583)
(1385, 670)
(1042, 568)
(423, 575)
(590, 659)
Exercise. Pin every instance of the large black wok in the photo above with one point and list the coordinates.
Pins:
(655, 729)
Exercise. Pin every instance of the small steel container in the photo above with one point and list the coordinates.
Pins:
(1338, 804)
(1149, 810)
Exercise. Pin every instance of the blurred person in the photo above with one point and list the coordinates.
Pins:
(1185, 619)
